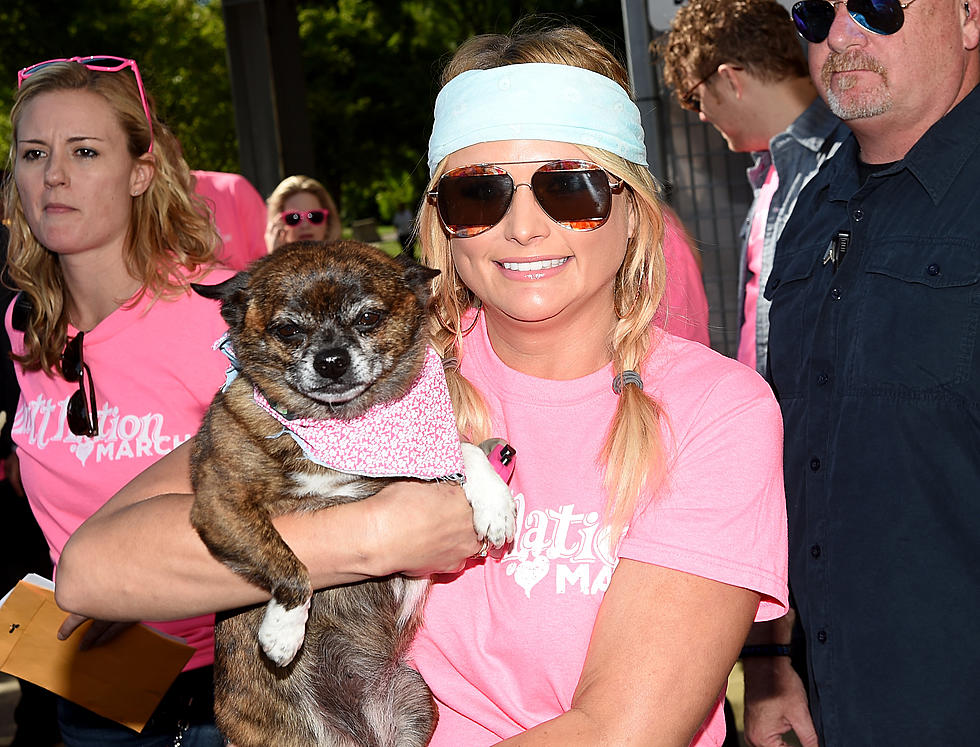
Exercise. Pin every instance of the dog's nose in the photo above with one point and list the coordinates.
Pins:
(332, 364)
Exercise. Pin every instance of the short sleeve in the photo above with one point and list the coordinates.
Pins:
(720, 512)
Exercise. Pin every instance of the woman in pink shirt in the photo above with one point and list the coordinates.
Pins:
(112, 348)
(650, 535)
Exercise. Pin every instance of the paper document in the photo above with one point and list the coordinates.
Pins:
(122, 680)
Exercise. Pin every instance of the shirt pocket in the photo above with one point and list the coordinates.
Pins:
(918, 314)
(792, 318)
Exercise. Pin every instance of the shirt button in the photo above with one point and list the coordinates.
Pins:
(815, 551)
(822, 379)
(835, 294)
(933, 269)
(822, 636)
(858, 215)
(815, 464)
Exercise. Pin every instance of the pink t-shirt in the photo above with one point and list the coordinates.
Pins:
(155, 374)
(503, 643)
(684, 310)
(239, 215)
(757, 236)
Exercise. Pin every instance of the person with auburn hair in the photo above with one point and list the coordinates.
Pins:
(738, 65)
(650, 535)
(112, 348)
(300, 209)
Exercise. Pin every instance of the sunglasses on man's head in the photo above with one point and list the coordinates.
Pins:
(102, 64)
(295, 217)
(83, 418)
(813, 18)
(575, 194)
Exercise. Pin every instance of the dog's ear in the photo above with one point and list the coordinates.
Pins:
(232, 295)
(416, 275)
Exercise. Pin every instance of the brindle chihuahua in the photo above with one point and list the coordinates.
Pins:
(323, 331)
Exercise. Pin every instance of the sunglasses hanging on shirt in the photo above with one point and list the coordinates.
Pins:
(82, 409)
(575, 194)
(813, 18)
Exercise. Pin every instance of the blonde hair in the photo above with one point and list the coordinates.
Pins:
(171, 239)
(632, 457)
(293, 185)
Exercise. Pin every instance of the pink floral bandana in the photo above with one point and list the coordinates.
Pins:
(414, 436)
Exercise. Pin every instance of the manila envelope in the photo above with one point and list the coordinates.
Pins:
(123, 680)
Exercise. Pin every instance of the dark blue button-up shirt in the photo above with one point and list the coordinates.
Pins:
(877, 369)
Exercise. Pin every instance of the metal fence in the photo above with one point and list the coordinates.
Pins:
(706, 185)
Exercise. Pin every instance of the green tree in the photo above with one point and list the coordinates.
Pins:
(372, 69)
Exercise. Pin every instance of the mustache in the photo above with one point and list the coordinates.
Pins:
(857, 60)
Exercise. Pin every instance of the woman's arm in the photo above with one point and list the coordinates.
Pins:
(139, 558)
(662, 648)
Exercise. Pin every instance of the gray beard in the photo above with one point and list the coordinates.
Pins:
(858, 109)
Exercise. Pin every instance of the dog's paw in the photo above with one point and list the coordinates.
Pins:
(282, 631)
(494, 509)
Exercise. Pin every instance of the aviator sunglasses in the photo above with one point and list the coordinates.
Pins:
(813, 18)
(82, 414)
(575, 194)
(100, 63)
(295, 217)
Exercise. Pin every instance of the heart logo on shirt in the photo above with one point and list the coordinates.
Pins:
(83, 448)
(529, 573)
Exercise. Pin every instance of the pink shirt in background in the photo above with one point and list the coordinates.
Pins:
(155, 374)
(684, 310)
(757, 235)
(239, 215)
(503, 644)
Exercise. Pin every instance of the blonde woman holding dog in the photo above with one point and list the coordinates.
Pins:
(112, 350)
(650, 534)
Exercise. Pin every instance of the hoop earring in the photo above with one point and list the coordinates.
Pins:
(636, 298)
(476, 318)
(456, 331)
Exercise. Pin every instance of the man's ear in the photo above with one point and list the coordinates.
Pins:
(731, 76)
(971, 24)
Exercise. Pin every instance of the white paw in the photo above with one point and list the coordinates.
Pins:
(494, 509)
(282, 631)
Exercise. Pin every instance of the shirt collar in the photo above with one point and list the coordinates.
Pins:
(935, 160)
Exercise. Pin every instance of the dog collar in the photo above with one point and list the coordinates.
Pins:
(415, 436)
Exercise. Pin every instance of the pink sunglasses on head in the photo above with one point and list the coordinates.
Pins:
(103, 64)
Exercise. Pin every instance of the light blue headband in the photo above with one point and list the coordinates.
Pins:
(536, 101)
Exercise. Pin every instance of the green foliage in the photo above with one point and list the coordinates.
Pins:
(372, 70)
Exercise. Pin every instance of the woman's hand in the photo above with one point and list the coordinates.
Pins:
(419, 528)
(101, 632)
(275, 232)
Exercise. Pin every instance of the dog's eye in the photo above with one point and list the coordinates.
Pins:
(287, 332)
(368, 320)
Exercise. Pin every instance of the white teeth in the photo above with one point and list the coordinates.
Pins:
(544, 264)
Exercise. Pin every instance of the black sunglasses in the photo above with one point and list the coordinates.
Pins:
(83, 417)
(295, 217)
(813, 18)
(575, 194)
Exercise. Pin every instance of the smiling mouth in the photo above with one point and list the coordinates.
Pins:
(544, 264)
